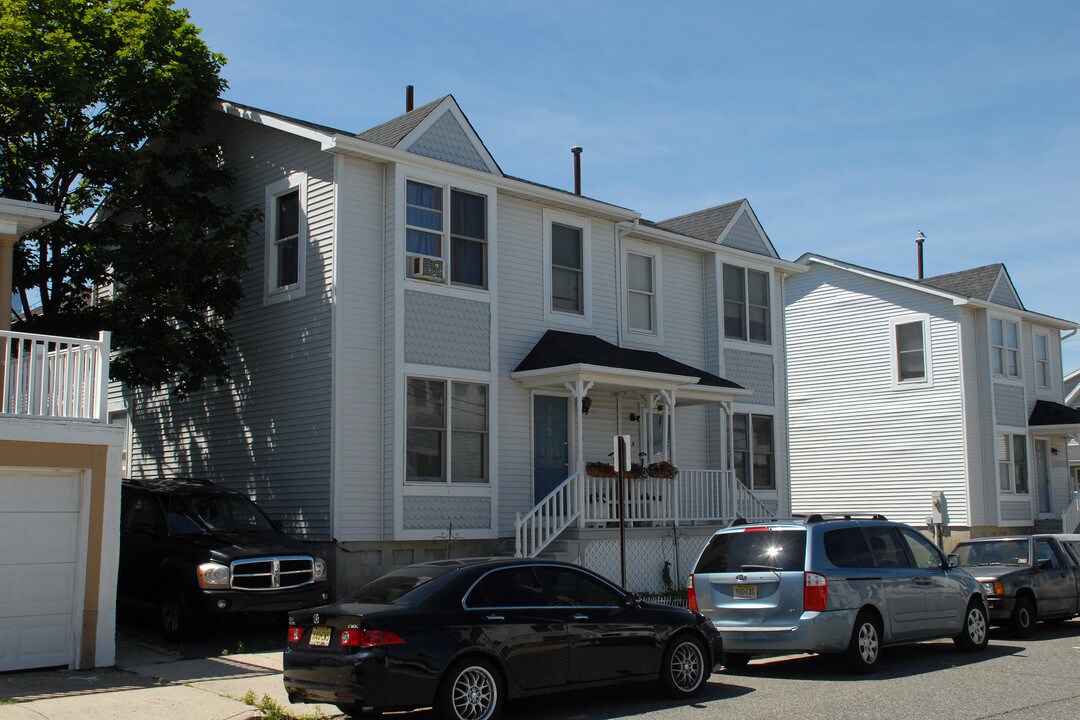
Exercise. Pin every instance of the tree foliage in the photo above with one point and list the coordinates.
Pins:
(102, 108)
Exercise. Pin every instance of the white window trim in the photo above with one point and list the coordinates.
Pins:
(448, 183)
(657, 336)
(1004, 374)
(1010, 432)
(928, 365)
(749, 415)
(757, 345)
(272, 294)
(1035, 361)
(460, 487)
(585, 225)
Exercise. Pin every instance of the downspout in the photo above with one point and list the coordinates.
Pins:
(621, 229)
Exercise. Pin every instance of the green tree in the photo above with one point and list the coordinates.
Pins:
(103, 105)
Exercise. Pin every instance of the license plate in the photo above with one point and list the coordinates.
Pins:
(320, 636)
(746, 592)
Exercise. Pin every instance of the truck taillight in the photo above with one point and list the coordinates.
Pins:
(691, 596)
(352, 637)
(815, 592)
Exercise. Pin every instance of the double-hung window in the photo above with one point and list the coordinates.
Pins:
(286, 238)
(1042, 360)
(1005, 347)
(754, 450)
(1012, 463)
(641, 293)
(746, 304)
(446, 437)
(909, 341)
(566, 268)
(457, 239)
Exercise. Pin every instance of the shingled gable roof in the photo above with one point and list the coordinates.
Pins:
(558, 348)
(977, 283)
(705, 224)
(391, 132)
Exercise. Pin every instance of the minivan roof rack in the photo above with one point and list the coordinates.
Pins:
(823, 517)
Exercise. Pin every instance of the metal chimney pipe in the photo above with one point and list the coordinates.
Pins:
(577, 169)
(408, 98)
(919, 240)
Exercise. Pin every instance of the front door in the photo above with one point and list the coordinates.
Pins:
(1042, 475)
(551, 456)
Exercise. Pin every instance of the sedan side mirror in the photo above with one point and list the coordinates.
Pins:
(954, 560)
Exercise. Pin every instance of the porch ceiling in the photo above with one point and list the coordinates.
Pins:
(564, 357)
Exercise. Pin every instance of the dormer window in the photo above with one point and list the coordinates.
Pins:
(428, 225)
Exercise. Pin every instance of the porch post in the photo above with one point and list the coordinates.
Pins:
(728, 483)
(669, 425)
(578, 390)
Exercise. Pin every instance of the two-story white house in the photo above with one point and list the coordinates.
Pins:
(901, 388)
(430, 351)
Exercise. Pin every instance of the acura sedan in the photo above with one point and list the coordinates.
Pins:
(464, 636)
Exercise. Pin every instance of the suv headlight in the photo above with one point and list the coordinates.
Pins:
(320, 569)
(213, 575)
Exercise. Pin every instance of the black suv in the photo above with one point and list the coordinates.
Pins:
(193, 550)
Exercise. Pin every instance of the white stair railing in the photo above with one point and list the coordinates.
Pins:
(557, 511)
(1070, 518)
(717, 496)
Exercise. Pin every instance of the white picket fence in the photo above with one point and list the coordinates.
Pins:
(45, 376)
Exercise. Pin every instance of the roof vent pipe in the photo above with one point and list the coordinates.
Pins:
(919, 240)
(408, 98)
(577, 169)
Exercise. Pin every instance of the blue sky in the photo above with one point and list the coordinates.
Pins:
(849, 126)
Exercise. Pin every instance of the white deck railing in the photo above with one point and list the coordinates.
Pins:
(1070, 518)
(44, 376)
(700, 497)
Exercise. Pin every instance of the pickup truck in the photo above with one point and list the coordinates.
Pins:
(1026, 578)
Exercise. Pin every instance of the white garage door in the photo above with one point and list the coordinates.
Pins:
(39, 541)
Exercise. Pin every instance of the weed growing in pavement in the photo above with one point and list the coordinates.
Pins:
(272, 710)
(6, 702)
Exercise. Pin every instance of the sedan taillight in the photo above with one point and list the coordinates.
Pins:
(352, 637)
(815, 592)
(296, 634)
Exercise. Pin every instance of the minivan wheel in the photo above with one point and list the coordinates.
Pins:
(1022, 619)
(864, 650)
(685, 669)
(470, 690)
(974, 635)
(178, 619)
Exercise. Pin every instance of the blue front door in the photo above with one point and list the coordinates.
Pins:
(551, 458)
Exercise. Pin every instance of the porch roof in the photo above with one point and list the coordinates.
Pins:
(560, 357)
(1047, 415)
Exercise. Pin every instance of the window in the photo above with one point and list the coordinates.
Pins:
(427, 226)
(574, 588)
(567, 270)
(1012, 463)
(512, 587)
(746, 304)
(1005, 347)
(1043, 551)
(446, 437)
(885, 547)
(1042, 360)
(910, 352)
(754, 451)
(286, 238)
(847, 547)
(640, 293)
(926, 554)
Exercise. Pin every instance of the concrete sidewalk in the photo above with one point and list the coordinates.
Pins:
(152, 682)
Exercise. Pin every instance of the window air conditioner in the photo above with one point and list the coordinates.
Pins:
(425, 267)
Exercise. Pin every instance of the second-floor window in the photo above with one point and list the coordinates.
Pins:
(910, 352)
(457, 240)
(446, 437)
(746, 304)
(286, 238)
(754, 451)
(1042, 360)
(1005, 347)
(1012, 463)
(641, 293)
(567, 270)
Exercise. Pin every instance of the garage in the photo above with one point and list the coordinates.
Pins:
(41, 577)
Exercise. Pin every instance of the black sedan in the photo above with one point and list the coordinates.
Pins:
(463, 636)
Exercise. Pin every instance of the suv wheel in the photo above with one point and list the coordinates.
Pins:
(685, 669)
(178, 617)
(975, 633)
(864, 650)
(1022, 619)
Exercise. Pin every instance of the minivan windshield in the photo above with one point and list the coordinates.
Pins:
(993, 552)
(754, 550)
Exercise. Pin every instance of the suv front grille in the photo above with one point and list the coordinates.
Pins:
(273, 573)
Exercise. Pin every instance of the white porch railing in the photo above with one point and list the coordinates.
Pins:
(694, 496)
(45, 376)
(1070, 518)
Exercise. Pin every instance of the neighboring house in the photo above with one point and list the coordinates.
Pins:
(900, 388)
(429, 351)
(59, 486)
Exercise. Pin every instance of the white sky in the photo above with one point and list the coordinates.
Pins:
(849, 126)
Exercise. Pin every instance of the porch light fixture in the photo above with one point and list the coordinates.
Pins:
(634, 417)
(586, 403)
(1054, 451)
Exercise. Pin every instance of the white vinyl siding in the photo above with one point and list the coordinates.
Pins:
(856, 441)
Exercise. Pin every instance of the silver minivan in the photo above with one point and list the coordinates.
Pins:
(833, 584)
